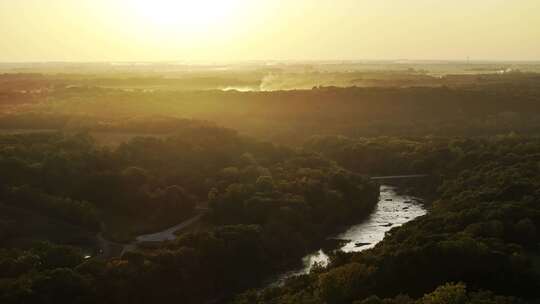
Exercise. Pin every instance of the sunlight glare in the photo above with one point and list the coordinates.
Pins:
(186, 15)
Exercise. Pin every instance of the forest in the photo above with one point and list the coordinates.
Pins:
(457, 105)
(479, 242)
(267, 206)
(260, 172)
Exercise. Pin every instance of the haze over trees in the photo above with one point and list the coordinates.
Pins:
(260, 166)
(269, 152)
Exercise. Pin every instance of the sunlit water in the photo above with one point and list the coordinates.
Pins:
(393, 210)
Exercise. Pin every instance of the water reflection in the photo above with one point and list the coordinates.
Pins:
(393, 210)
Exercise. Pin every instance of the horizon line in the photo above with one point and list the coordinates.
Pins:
(216, 62)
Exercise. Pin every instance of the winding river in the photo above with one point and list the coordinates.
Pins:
(393, 210)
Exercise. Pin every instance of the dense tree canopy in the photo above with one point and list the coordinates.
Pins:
(111, 157)
(482, 230)
(268, 206)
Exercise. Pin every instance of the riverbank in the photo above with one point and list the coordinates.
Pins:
(393, 209)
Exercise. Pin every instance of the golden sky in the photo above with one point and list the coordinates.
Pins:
(236, 30)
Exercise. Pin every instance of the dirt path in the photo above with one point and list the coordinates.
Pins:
(111, 249)
(169, 233)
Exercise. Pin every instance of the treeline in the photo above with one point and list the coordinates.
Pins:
(482, 231)
(268, 206)
(291, 116)
(149, 182)
(21, 122)
(296, 203)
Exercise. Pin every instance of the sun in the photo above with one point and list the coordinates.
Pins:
(185, 15)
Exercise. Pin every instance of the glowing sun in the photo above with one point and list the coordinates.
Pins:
(192, 15)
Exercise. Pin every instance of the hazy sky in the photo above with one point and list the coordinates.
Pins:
(232, 30)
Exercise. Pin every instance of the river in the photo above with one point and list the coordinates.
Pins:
(393, 210)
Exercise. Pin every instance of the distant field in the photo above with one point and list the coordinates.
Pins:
(102, 138)
(25, 131)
